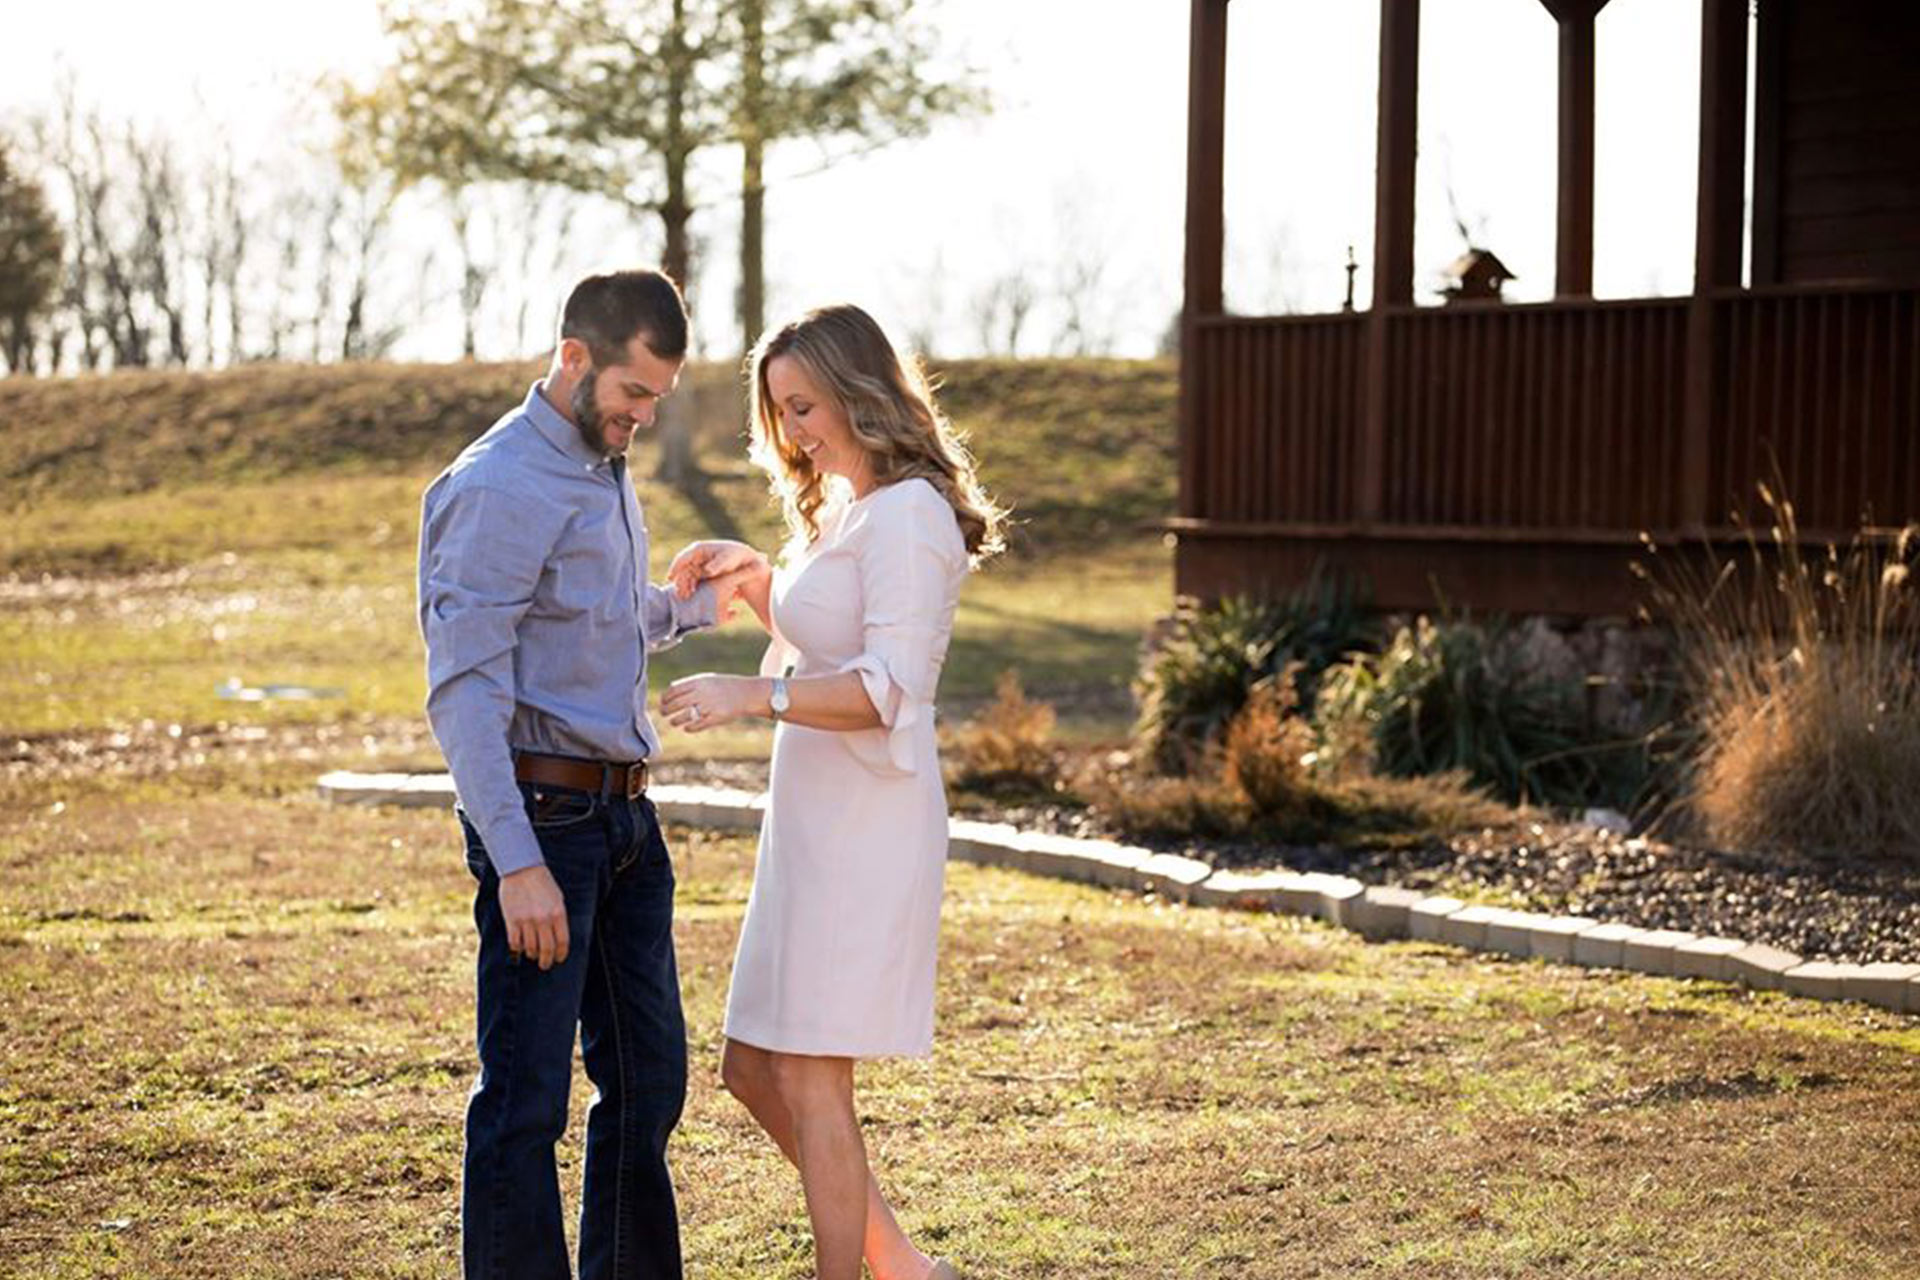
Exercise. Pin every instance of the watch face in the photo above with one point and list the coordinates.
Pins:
(779, 699)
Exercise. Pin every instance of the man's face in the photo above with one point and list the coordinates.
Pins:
(611, 403)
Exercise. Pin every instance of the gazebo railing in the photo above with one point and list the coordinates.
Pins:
(1567, 420)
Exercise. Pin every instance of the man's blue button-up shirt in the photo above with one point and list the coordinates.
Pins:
(537, 614)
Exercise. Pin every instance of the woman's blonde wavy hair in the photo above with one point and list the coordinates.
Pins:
(888, 403)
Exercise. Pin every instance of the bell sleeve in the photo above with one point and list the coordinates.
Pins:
(911, 560)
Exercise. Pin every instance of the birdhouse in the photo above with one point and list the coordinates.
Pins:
(1475, 276)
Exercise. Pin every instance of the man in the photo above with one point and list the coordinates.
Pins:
(538, 618)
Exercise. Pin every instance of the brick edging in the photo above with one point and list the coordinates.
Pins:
(1374, 911)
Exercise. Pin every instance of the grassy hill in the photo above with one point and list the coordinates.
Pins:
(130, 431)
(164, 533)
(1082, 449)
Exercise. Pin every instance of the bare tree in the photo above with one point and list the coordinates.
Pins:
(328, 207)
(158, 244)
(530, 212)
(1000, 309)
(926, 308)
(1079, 277)
(369, 202)
(126, 326)
(556, 266)
(126, 283)
(219, 252)
(58, 142)
(290, 226)
(128, 290)
(475, 272)
(1085, 328)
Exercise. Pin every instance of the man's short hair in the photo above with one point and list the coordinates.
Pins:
(606, 311)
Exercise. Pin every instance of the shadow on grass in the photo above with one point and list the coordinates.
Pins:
(715, 515)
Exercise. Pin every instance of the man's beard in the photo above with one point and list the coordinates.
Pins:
(588, 418)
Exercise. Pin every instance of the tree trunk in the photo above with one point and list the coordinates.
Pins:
(753, 195)
(473, 279)
(232, 267)
(677, 417)
(19, 344)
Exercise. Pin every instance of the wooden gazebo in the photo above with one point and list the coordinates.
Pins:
(1510, 456)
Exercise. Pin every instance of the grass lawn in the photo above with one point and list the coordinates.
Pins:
(238, 1043)
(237, 1023)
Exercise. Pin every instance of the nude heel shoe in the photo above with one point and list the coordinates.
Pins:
(942, 1270)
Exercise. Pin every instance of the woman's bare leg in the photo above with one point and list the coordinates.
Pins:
(832, 1158)
(748, 1074)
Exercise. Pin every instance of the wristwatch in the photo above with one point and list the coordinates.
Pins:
(778, 701)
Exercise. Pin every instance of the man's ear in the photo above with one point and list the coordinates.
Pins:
(574, 357)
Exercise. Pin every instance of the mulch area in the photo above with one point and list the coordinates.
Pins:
(1818, 909)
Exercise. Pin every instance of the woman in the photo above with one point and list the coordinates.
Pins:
(836, 957)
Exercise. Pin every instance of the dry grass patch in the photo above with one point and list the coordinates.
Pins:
(1805, 666)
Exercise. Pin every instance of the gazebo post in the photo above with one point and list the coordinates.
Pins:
(1718, 234)
(1392, 233)
(1573, 242)
(1206, 226)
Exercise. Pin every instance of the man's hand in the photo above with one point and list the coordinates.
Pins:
(712, 559)
(536, 915)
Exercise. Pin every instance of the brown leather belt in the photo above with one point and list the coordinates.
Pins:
(599, 777)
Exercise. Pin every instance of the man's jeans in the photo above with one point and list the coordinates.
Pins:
(620, 985)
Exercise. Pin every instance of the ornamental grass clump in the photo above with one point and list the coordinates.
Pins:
(1804, 674)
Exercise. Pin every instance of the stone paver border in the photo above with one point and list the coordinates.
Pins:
(1376, 911)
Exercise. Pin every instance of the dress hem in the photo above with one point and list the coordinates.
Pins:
(815, 1049)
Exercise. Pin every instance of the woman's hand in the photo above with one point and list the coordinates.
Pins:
(715, 558)
(695, 704)
(737, 572)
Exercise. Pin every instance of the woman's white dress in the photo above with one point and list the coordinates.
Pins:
(838, 951)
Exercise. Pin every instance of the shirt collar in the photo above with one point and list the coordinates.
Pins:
(557, 431)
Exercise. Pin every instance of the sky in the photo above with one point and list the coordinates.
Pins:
(1077, 174)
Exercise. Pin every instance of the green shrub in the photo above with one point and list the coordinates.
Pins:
(1453, 695)
(1200, 677)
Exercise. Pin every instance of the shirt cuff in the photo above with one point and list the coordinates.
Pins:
(512, 847)
(699, 611)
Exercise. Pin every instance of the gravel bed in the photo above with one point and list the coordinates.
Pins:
(1815, 908)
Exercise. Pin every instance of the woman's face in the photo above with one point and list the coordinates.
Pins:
(814, 423)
